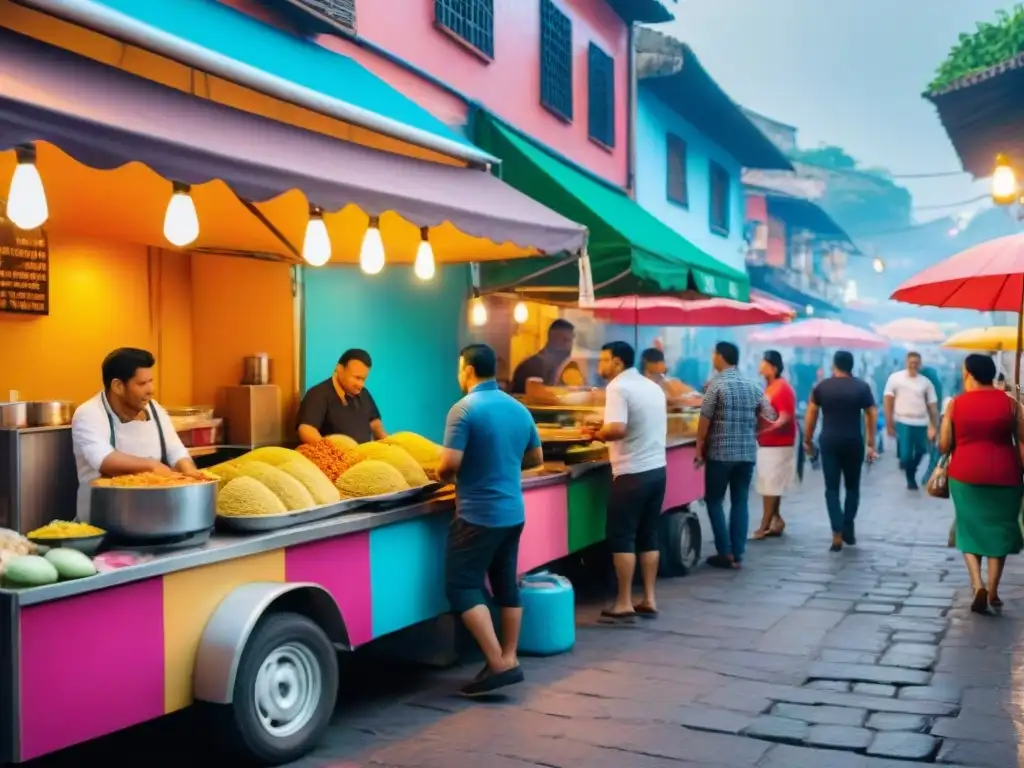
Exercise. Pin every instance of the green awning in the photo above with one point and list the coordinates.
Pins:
(631, 251)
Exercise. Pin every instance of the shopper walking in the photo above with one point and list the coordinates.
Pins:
(776, 447)
(733, 409)
(489, 439)
(982, 431)
(635, 427)
(847, 439)
(911, 416)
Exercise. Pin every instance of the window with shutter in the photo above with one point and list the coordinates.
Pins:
(678, 190)
(471, 21)
(601, 96)
(720, 193)
(555, 60)
(342, 12)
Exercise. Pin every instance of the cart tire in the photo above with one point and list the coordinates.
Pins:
(284, 692)
(680, 543)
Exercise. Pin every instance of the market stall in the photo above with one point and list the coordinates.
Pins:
(306, 558)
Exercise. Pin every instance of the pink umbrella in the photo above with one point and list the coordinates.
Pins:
(820, 333)
(913, 330)
(671, 311)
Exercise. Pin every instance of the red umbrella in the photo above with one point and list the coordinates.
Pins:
(670, 311)
(821, 333)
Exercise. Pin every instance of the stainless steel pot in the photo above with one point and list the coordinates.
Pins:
(13, 415)
(51, 413)
(154, 513)
(256, 370)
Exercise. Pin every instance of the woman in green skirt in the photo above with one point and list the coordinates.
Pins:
(982, 432)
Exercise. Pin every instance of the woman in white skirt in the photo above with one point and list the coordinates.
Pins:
(776, 450)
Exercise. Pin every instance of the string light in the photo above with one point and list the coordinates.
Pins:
(878, 265)
(181, 222)
(1004, 182)
(316, 247)
(371, 254)
(478, 313)
(26, 200)
(424, 265)
(521, 314)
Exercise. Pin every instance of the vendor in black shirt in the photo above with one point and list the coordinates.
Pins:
(342, 405)
(553, 364)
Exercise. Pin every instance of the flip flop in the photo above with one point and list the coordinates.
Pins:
(980, 602)
(996, 603)
(644, 612)
(760, 534)
(611, 617)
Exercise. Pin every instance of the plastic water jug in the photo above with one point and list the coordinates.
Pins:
(549, 615)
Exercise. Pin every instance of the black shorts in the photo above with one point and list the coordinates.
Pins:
(634, 507)
(475, 552)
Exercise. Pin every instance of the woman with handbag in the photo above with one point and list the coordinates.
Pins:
(982, 435)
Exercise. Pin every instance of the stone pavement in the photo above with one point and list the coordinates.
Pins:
(867, 658)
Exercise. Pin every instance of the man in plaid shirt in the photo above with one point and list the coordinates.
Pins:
(733, 410)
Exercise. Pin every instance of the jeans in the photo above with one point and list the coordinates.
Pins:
(842, 463)
(734, 477)
(912, 447)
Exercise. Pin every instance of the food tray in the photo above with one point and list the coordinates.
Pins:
(265, 523)
(87, 545)
(387, 500)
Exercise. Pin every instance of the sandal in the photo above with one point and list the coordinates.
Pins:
(609, 616)
(645, 612)
(996, 603)
(720, 561)
(778, 525)
(760, 534)
(980, 602)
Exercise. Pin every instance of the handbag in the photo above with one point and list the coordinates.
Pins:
(938, 484)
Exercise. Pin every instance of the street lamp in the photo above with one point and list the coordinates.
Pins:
(1004, 182)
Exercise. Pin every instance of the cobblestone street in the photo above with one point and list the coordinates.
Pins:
(866, 658)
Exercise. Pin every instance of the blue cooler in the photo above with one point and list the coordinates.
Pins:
(549, 615)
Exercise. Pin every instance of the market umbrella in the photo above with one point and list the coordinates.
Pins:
(988, 277)
(912, 330)
(821, 333)
(671, 311)
(997, 338)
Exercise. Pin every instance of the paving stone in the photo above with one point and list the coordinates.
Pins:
(989, 754)
(822, 604)
(894, 721)
(821, 714)
(928, 602)
(912, 624)
(841, 656)
(780, 729)
(914, 637)
(874, 689)
(941, 593)
(711, 719)
(971, 726)
(864, 673)
(890, 591)
(874, 608)
(860, 701)
(839, 737)
(927, 613)
(829, 685)
(950, 693)
(904, 746)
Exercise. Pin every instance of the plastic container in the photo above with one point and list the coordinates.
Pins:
(549, 615)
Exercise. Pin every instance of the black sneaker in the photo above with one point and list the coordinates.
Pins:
(849, 537)
(489, 682)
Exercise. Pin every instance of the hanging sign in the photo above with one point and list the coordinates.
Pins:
(24, 269)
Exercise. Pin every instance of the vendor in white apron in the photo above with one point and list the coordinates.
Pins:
(122, 430)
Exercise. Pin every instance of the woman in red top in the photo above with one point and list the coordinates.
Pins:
(776, 441)
(983, 434)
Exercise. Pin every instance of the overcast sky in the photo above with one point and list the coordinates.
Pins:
(845, 72)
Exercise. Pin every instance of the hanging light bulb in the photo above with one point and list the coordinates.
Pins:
(1004, 182)
(878, 265)
(424, 265)
(26, 201)
(371, 255)
(181, 222)
(521, 314)
(316, 248)
(478, 314)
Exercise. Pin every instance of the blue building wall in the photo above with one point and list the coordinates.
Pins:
(654, 122)
(411, 329)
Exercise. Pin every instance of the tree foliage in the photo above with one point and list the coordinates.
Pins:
(990, 44)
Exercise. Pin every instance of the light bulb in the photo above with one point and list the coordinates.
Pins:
(316, 248)
(1004, 182)
(26, 201)
(521, 314)
(478, 315)
(371, 255)
(878, 265)
(181, 222)
(809, 309)
(424, 264)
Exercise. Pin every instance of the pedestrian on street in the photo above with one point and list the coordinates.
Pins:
(934, 455)
(733, 410)
(489, 439)
(635, 427)
(847, 439)
(911, 416)
(983, 434)
(776, 449)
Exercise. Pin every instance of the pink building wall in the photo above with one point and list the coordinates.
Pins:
(509, 85)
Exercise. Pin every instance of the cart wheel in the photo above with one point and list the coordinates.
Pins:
(284, 692)
(680, 543)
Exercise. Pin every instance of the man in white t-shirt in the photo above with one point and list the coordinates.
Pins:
(911, 416)
(122, 430)
(635, 427)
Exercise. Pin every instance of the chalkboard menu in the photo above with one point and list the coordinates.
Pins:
(24, 269)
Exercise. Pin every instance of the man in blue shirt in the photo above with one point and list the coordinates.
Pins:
(490, 438)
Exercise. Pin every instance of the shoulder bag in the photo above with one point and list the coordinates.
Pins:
(938, 483)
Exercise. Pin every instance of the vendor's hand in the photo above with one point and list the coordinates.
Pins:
(159, 468)
(931, 433)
